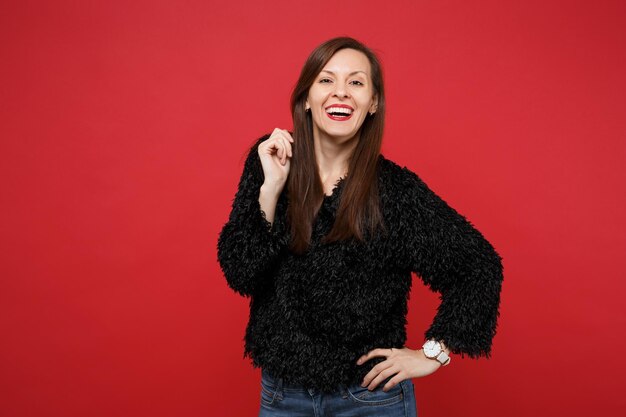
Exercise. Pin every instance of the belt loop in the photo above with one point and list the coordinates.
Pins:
(279, 388)
(343, 390)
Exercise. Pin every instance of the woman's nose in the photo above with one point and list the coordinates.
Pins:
(340, 90)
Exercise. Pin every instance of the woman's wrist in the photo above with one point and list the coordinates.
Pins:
(424, 365)
(270, 189)
(268, 198)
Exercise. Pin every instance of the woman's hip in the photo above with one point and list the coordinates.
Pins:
(280, 398)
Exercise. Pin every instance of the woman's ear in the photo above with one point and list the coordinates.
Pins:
(375, 104)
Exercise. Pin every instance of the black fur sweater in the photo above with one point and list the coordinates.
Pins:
(313, 316)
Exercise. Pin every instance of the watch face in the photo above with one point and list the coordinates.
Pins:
(432, 348)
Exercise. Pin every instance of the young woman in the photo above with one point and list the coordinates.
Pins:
(323, 236)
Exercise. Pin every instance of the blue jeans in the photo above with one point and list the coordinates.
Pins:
(279, 399)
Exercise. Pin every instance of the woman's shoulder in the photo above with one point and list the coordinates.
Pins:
(399, 179)
(412, 194)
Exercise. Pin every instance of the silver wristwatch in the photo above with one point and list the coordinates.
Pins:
(434, 350)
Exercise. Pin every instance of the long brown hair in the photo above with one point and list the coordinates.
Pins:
(359, 209)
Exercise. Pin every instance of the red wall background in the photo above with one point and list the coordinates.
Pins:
(123, 129)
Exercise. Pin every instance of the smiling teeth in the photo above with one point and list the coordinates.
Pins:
(339, 110)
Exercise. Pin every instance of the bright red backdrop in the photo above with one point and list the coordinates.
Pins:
(123, 128)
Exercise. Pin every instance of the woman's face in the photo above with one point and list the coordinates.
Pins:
(345, 80)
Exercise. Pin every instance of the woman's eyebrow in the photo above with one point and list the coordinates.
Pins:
(352, 73)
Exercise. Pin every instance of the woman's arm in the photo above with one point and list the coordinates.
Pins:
(454, 259)
(250, 243)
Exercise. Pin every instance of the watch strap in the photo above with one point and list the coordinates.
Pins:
(443, 358)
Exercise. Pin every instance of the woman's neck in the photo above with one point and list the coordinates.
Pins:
(332, 157)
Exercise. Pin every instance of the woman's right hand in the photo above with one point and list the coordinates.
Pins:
(275, 154)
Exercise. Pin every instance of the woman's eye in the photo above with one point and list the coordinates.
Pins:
(326, 79)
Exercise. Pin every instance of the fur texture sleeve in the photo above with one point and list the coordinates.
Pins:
(248, 243)
(454, 259)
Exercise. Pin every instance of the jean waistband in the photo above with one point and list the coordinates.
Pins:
(283, 385)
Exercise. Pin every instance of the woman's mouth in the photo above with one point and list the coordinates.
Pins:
(339, 114)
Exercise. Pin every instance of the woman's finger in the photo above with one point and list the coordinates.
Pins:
(287, 146)
(270, 146)
(287, 135)
(279, 144)
(371, 354)
(378, 374)
(288, 140)
(399, 377)
(283, 154)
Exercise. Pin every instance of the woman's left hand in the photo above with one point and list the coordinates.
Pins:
(405, 363)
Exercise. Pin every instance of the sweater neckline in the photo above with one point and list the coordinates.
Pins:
(335, 189)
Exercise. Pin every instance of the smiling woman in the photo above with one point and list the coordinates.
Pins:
(324, 235)
(342, 94)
